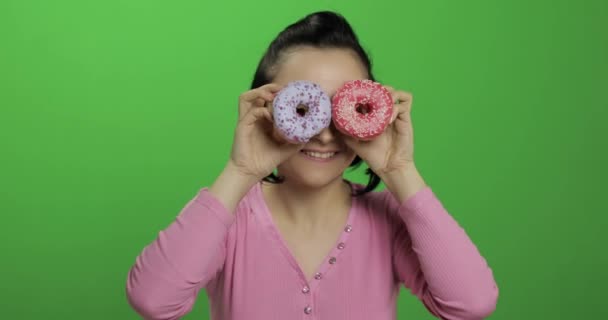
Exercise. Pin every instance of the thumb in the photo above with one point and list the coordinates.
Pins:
(351, 142)
(288, 146)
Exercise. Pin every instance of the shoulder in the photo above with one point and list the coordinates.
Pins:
(204, 197)
(379, 206)
(212, 204)
(378, 210)
(377, 200)
(250, 198)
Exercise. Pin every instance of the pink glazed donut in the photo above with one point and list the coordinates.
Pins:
(362, 109)
(301, 110)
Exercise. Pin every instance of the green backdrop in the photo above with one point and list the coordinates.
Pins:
(115, 113)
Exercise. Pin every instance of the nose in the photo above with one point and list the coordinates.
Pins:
(327, 135)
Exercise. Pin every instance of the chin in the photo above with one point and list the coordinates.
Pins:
(313, 173)
(314, 181)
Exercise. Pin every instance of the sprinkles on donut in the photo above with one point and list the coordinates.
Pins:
(301, 110)
(362, 109)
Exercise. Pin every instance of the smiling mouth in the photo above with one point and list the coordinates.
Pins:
(319, 155)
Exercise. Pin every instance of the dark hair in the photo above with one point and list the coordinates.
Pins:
(323, 29)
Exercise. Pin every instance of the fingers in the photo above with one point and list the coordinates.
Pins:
(402, 111)
(403, 102)
(257, 97)
(390, 89)
(267, 90)
(403, 97)
(256, 114)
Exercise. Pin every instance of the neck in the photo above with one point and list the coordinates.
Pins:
(310, 208)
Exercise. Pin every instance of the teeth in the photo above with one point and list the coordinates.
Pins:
(324, 155)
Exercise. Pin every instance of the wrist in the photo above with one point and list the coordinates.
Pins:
(239, 175)
(232, 185)
(403, 183)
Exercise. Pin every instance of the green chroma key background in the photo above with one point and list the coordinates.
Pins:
(113, 114)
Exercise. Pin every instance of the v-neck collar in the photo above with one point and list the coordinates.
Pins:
(332, 257)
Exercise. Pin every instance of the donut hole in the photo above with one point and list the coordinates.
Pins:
(363, 108)
(302, 110)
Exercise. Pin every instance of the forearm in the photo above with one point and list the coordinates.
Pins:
(457, 276)
(459, 280)
(231, 186)
(404, 183)
(185, 256)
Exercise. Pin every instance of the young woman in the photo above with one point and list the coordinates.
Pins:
(304, 243)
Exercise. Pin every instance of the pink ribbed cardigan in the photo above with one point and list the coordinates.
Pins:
(248, 272)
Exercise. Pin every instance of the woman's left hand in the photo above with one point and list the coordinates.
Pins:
(393, 150)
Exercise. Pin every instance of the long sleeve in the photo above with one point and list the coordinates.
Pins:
(168, 274)
(436, 260)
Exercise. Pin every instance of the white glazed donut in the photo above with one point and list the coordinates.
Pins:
(301, 110)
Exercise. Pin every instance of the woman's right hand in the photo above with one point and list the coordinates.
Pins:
(257, 149)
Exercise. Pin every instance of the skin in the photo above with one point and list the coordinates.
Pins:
(310, 207)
